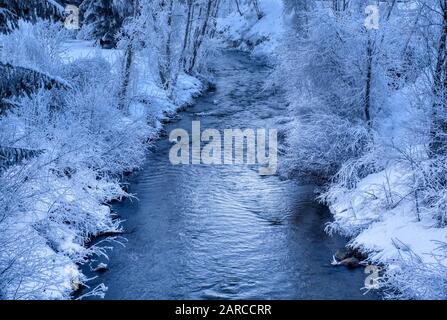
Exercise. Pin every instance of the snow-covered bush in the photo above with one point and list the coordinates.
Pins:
(411, 278)
(73, 119)
(319, 153)
(66, 148)
(255, 26)
(324, 68)
(38, 46)
(369, 116)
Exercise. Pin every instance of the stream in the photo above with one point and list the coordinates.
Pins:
(224, 231)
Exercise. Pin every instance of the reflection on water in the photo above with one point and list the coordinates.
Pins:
(224, 232)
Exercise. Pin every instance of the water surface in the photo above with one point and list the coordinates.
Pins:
(225, 232)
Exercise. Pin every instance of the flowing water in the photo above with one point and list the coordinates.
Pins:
(224, 231)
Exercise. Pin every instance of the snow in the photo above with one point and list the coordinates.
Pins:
(52, 216)
(364, 213)
(418, 236)
(381, 179)
(56, 5)
(82, 49)
(385, 192)
(246, 32)
(382, 215)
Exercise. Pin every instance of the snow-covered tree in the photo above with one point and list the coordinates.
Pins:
(101, 21)
(12, 10)
(201, 28)
(171, 33)
(369, 110)
(337, 74)
(63, 143)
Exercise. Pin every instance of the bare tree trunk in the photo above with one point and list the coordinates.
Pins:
(413, 29)
(390, 10)
(214, 16)
(122, 103)
(340, 5)
(367, 103)
(165, 60)
(238, 8)
(168, 53)
(439, 87)
(200, 36)
(186, 38)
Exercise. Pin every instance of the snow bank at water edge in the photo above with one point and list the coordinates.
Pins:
(248, 31)
(54, 200)
(396, 215)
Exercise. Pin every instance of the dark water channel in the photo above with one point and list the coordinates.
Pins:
(225, 232)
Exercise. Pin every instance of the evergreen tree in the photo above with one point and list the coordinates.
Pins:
(12, 10)
(19, 81)
(102, 20)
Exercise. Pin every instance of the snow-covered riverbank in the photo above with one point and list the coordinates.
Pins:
(363, 123)
(53, 203)
(365, 88)
(395, 213)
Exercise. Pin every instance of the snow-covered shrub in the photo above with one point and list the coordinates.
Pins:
(319, 153)
(324, 68)
(84, 71)
(257, 29)
(411, 278)
(37, 46)
(67, 147)
(430, 183)
(29, 268)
